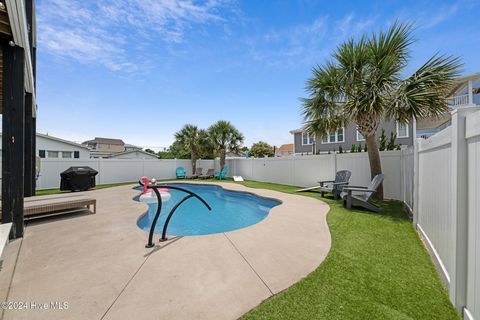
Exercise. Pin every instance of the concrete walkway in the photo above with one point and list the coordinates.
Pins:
(96, 266)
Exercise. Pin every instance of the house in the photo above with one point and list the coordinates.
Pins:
(465, 93)
(52, 147)
(131, 147)
(345, 137)
(133, 154)
(284, 150)
(48, 146)
(104, 147)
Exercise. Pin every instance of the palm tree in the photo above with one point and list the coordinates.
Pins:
(225, 138)
(191, 138)
(363, 84)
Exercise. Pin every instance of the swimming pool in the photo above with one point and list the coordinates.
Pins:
(231, 210)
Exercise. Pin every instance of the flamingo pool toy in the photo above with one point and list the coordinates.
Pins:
(148, 195)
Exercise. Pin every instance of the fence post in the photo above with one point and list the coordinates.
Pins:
(416, 181)
(459, 192)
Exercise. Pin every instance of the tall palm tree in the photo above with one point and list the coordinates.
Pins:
(363, 84)
(225, 138)
(191, 138)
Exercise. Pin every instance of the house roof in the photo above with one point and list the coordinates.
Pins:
(128, 145)
(461, 82)
(286, 147)
(105, 141)
(296, 131)
(46, 136)
(131, 151)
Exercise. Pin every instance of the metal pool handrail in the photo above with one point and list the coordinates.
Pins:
(159, 209)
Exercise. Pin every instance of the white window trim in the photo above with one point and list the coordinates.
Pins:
(310, 139)
(357, 136)
(336, 137)
(396, 129)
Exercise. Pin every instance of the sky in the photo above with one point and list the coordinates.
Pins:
(139, 70)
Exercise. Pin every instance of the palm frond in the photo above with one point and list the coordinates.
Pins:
(424, 93)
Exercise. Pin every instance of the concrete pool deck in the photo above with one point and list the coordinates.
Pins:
(97, 263)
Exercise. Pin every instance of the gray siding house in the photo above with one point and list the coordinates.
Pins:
(345, 137)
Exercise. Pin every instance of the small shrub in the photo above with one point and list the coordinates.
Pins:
(382, 141)
(391, 143)
(353, 148)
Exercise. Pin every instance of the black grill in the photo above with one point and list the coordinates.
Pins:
(78, 178)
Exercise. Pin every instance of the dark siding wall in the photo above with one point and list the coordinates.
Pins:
(351, 138)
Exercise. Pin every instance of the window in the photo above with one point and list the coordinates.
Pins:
(360, 136)
(41, 153)
(402, 130)
(66, 154)
(307, 139)
(335, 137)
(52, 154)
(76, 154)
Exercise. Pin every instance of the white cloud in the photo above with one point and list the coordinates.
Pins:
(305, 44)
(106, 32)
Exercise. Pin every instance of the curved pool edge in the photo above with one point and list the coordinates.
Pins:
(167, 183)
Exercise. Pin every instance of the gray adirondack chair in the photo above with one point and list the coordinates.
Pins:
(359, 195)
(198, 173)
(335, 187)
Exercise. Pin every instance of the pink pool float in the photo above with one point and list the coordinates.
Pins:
(148, 195)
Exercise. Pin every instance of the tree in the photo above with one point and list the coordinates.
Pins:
(224, 138)
(261, 149)
(150, 151)
(363, 84)
(191, 138)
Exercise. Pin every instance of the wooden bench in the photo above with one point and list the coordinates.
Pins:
(54, 205)
(39, 206)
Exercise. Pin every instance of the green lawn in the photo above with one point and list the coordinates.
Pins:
(377, 268)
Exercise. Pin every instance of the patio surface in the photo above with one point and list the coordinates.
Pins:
(98, 264)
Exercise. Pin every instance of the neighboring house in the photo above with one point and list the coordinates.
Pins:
(284, 150)
(51, 147)
(131, 147)
(346, 136)
(104, 147)
(133, 154)
(465, 93)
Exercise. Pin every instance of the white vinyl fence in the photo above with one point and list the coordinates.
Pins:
(115, 170)
(306, 171)
(446, 210)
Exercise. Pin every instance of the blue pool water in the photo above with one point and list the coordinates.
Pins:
(230, 210)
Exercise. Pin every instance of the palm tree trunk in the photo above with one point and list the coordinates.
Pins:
(375, 163)
(223, 155)
(194, 162)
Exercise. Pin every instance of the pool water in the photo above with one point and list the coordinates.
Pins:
(231, 210)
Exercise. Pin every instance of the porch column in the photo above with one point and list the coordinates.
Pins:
(470, 92)
(29, 170)
(13, 138)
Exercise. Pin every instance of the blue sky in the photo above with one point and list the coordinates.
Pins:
(140, 69)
